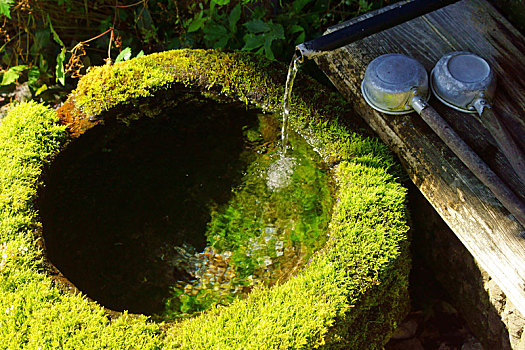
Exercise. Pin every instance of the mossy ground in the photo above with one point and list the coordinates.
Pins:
(351, 294)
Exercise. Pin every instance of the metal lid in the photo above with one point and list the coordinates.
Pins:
(459, 79)
(391, 81)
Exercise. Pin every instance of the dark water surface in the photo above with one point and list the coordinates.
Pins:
(170, 215)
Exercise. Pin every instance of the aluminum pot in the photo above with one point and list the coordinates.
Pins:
(463, 81)
(391, 81)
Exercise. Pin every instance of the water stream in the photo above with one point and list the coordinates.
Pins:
(290, 78)
(280, 172)
(275, 220)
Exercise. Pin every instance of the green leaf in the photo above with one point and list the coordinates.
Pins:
(5, 6)
(33, 74)
(42, 63)
(268, 49)
(296, 29)
(256, 26)
(124, 55)
(214, 30)
(252, 41)
(41, 89)
(217, 35)
(140, 54)
(262, 41)
(221, 2)
(220, 42)
(196, 23)
(234, 17)
(12, 74)
(10, 77)
(298, 5)
(276, 31)
(59, 71)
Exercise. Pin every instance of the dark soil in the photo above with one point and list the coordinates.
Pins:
(433, 323)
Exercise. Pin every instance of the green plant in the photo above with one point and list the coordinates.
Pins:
(272, 30)
(5, 8)
(28, 51)
(37, 38)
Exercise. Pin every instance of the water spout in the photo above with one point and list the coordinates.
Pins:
(368, 25)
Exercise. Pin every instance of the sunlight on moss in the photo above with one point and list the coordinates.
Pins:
(350, 295)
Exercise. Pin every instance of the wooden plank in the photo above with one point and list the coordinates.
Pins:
(484, 226)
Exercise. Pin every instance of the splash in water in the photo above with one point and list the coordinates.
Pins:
(280, 173)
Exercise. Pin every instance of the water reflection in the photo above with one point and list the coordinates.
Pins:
(277, 217)
(172, 214)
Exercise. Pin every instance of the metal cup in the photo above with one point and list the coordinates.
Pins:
(391, 81)
(463, 81)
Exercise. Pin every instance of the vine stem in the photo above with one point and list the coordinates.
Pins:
(96, 37)
(112, 31)
(130, 5)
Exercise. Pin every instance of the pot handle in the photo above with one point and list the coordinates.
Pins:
(478, 167)
(503, 138)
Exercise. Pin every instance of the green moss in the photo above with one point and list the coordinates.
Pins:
(29, 137)
(34, 313)
(350, 296)
(303, 312)
(107, 86)
(243, 76)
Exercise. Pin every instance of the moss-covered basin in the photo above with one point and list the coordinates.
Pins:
(350, 295)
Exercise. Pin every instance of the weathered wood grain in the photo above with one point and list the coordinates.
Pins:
(485, 227)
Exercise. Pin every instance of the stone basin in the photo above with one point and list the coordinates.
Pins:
(350, 294)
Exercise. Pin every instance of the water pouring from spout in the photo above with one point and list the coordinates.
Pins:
(290, 78)
(280, 173)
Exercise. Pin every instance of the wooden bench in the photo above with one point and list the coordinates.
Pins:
(490, 233)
